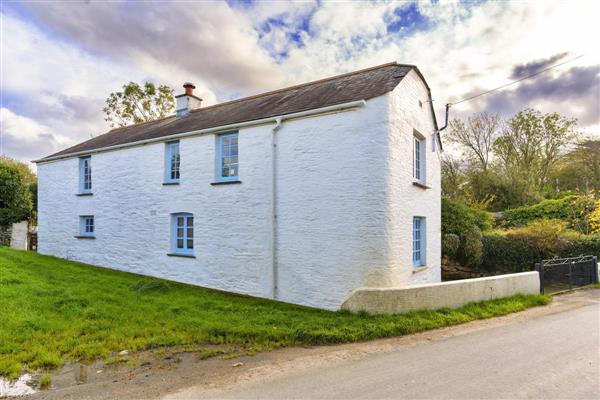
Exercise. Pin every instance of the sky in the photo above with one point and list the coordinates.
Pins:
(59, 61)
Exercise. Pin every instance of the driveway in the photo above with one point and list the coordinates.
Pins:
(545, 355)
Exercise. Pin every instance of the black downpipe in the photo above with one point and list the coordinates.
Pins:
(447, 114)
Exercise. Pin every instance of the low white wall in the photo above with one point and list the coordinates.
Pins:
(440, 295)
(18, 239)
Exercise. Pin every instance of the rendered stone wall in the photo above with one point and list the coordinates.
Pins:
(440, 295)
(344, 205)
(331, 209)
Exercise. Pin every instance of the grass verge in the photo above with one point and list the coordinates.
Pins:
(54, 310)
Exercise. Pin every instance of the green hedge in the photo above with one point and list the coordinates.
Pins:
(506, 254)
(503, 253)
(589, 246)
(457, 218)
(572, 209)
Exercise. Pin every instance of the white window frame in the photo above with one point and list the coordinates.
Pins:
(184, 235)
(220, 153)
(419, 158)
(172, 167)
(419, 237)
(87, 226)
(85, 174)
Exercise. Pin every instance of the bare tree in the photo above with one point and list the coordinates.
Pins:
(477, 136)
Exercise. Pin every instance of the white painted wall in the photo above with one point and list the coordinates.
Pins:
(433, 296)
(407, 200)
(343, 201)
(18, 237)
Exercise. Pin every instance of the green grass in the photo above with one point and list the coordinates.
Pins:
(52, 310)
(45, 381)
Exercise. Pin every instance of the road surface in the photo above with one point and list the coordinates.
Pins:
(552, 356)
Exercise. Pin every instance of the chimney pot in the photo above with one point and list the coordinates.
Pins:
(189, 88)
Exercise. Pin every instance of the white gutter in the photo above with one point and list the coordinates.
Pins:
(222, 128)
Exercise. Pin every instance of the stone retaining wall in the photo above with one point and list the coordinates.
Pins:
(441, 295)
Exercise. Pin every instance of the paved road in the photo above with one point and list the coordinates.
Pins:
(551, 357)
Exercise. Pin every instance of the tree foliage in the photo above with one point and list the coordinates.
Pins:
(576, 211)
(532, 144)
(579, 170)
(515, 162)
(136, 104)
(16, 202)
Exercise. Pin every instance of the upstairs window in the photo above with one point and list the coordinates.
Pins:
(85, 174)
(227, 157)
(86, 225)
(418, 241)
(182, 236)
(172, 162)
(419, 159)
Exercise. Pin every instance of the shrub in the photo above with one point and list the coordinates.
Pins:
(549, 236)
(519, 249)
(471, 251)
(586, 245)
(594, 218)
(503, 253)
(450, 244)
(457, 218)
(575, 210)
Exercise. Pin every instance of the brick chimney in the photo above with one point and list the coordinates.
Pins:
(187, 101)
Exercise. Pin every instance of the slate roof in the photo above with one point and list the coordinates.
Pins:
(359, 85)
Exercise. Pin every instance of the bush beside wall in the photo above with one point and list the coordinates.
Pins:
(457, 218)
(507, 254)
(552, 228)
(589, 245)
(575, 210)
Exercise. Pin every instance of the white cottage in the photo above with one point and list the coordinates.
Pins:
(301, 194)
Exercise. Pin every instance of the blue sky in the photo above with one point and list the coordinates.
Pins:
(60, 60)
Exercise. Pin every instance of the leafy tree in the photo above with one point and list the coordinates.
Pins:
(454, 180)
(136, 104)
(532, 143)
(477, 136)
(579, 170)
(15, 195)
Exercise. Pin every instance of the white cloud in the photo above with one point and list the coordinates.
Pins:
(22, 137)
(76, 54)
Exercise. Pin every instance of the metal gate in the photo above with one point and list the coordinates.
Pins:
(559, 274)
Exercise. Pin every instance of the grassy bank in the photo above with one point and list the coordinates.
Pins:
(54, 310)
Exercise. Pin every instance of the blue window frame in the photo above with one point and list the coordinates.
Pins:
(182, 233)
(86, 225)
(227, 157)
(418, 241)
(85, 174)
(419, 159)
(172, 162)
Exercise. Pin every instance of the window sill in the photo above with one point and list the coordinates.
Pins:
(421, 185)
(422, 268)
(84, 237)
(85, 194)
(170, 183)
(226, 183)
(181, 255)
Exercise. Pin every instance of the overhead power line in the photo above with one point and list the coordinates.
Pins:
(516, 81)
